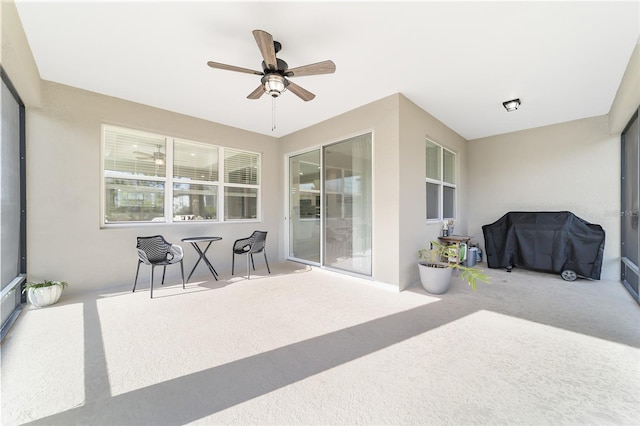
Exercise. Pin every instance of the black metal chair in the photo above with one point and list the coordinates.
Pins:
(156, 251)
(249, 246)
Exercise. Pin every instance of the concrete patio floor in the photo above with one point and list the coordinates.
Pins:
(308, 346)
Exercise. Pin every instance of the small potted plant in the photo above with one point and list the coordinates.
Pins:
(449, 224)
(44, 293)
(436, 269)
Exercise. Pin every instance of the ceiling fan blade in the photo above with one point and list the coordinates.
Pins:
(303, 94)
(324, 67)
(265, 44)
(256, 93)
(233, 68)
(146, 154)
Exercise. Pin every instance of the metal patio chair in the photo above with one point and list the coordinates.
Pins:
(156, 251)
(249, 246)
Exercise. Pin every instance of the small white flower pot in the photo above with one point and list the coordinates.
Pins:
(44, 296)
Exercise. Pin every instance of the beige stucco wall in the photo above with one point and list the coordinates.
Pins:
(17, 59)
(399, 130)
(414, 231)
(381, 119)
(64, 237)
(627, 98)
(572, 166)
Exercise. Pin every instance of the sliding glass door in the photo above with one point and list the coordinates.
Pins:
(347, 213)
(330, 203)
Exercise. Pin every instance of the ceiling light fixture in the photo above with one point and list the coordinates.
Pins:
(274, 84)
(511, 105)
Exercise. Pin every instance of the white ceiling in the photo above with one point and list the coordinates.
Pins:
(457, 60)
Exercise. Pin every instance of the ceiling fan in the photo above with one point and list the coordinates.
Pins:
(275, 71)
(157, 157)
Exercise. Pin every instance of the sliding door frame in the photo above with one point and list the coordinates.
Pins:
(287, 209)
(629, 271)
(20, 280)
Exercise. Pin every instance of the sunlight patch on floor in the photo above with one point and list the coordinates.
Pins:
(54, 348)
(230, 320)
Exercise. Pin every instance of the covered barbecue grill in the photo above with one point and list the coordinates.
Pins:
(559, 242)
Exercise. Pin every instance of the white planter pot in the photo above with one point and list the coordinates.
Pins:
(44, 296)
(435, 280)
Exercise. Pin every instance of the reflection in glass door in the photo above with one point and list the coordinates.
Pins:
(347, 214)
(630, 241)
(304, 206)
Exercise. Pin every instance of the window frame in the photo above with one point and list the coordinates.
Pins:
(224, 185)
(441, 182)
(169, 180)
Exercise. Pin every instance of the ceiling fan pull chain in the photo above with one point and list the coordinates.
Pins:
(273, 114)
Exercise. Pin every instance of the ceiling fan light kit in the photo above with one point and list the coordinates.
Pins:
(274, 84)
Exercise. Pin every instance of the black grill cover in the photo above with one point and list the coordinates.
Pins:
(546, 241)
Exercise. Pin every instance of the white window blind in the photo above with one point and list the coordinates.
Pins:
(240, 167)
(195, 161)
(134, 154)
(433, 162)
(449, 166)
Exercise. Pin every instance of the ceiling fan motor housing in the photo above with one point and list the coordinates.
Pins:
(282, 67)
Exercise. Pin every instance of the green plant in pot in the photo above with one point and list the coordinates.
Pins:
(44, 293)
(436, 269)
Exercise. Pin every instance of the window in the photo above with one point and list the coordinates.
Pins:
(195, 181)
(240, 185)
(440, 178)
(155, 178)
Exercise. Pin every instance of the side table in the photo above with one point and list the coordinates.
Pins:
(456, 240)
(202, 254)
